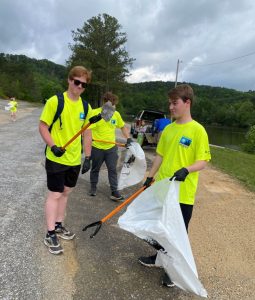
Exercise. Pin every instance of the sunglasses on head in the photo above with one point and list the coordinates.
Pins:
(78, 82)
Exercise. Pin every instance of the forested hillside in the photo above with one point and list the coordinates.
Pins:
(34, 80)
(212, 105)
(30, 79)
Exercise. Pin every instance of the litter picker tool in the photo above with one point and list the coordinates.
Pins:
(98, 224)
(106, 114)
(108, 142)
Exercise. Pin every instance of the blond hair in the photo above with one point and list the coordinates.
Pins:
(79, 71)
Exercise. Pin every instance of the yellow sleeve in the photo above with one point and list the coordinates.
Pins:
(120, 122)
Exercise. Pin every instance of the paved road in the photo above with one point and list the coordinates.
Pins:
(102, 268)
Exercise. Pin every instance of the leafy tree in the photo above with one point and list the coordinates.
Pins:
(228, 115)
(250, 137)
(26, 78)
(245, 114)
(99, 45)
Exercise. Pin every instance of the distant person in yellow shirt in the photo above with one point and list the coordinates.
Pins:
(106, 152)
(13, 108)
(183, 150)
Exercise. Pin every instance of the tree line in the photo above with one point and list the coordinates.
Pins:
(35, 80)
(29, 79)
(212, 105)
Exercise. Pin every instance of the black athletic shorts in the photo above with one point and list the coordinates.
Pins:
(186, 213)
(59, 176)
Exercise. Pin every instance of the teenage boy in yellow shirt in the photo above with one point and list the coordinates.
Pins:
(182, 151)
(106, 152)
(63, 166)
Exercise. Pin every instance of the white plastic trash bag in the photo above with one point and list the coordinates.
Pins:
(155, 216)
(134, 167)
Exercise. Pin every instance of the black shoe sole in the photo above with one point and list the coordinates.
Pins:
(116, 199)
(148, 265)
(67, 238)
(168, 285)
(92, 194)
(166, 281)
(56, 252)
(52, 251)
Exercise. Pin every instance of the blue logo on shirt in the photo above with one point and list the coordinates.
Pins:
(82, 116)
(184, 141)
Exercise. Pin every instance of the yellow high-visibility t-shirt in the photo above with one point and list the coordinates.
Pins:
(181, 145)
(72, 118)
(13, 104)
(103, 130)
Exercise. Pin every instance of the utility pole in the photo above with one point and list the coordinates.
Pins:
(177, 70)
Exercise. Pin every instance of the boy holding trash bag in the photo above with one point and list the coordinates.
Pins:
(63, 165)
(182, 151)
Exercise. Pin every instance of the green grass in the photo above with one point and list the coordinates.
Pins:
(237, 164)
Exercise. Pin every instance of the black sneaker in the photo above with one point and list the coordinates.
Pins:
(116, 196)
(154, 244)
(166, 281)
(63, 233)
(93, 192)
(148, 261)
(51, 241)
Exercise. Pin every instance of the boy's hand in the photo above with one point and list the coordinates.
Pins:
(128, 143)
(57, 151)
(148, 182)
(180, 175)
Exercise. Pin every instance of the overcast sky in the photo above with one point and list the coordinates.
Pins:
(213, 39)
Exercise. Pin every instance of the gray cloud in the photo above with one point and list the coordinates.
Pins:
(159, 32)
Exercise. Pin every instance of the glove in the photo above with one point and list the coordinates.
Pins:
(57, 151)
(148, 182)
(95, 119)
(131, 159)
(180, 175)
(128, 143)
(86, 165)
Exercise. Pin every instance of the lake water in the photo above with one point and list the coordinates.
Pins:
(226, 136)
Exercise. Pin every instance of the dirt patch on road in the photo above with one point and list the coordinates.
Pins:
(222, 234)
